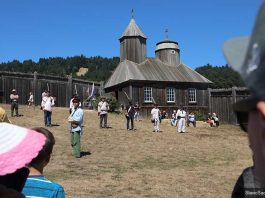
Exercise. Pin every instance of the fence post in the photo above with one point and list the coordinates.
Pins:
(35, 86)
(233, 102)
(209, 100)
(69, 90)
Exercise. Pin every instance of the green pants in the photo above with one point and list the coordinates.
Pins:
(14, 106)
(75, 142)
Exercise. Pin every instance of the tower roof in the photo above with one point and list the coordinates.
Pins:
(132, 30)
(167, 44)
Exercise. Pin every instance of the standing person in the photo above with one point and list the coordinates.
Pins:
(30, 100)
(247, 56)
(155, 115)
(181, 115)
(37, 185)
(14, 102)
(76, 129)
(137, 111)
(47, 104)
(130, 112)
(103, 108)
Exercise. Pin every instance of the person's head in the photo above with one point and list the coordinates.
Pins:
(156, 105)
(76, 102)
(47, 93)
(18, 147)
(247, 56)
(102, 98)
(174, 111)
(130, 102)
(44, 155)
(14, 91)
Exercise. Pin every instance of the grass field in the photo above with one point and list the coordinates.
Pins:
(205, 162)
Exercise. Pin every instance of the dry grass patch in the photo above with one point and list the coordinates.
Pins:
(205, 162)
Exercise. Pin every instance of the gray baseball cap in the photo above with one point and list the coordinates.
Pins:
(246, 55)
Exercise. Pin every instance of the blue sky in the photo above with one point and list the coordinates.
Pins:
(33, 29)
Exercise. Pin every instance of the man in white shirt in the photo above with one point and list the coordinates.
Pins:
(103, 108)
(47, 104)
(181, 115)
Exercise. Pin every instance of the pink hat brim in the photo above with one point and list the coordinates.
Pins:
(22, 153)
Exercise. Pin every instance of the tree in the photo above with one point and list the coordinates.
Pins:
(222, 77)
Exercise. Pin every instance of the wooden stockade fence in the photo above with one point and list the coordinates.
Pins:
(61, 88)
(221, 102)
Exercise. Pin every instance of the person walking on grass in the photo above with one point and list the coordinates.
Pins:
(181, 115)
(76, 129)
(37, 185)
(155, 117)
(103, 108)
(130, 112)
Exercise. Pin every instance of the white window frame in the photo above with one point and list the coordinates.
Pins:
(148, 95)
(170, 94)
(192, 95)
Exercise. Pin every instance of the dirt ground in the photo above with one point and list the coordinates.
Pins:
(205, 162)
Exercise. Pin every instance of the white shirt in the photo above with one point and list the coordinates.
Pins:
(181, 113)
(103, 107)
(47, 103)
(30, 98)
(155, 112)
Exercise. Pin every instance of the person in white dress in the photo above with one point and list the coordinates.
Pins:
(181, 115)
(155, 113)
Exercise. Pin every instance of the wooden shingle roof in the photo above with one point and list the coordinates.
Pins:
(132, 30)
(152, 69)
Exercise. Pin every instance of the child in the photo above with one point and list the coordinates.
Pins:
(37, 185)
(30, 100)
